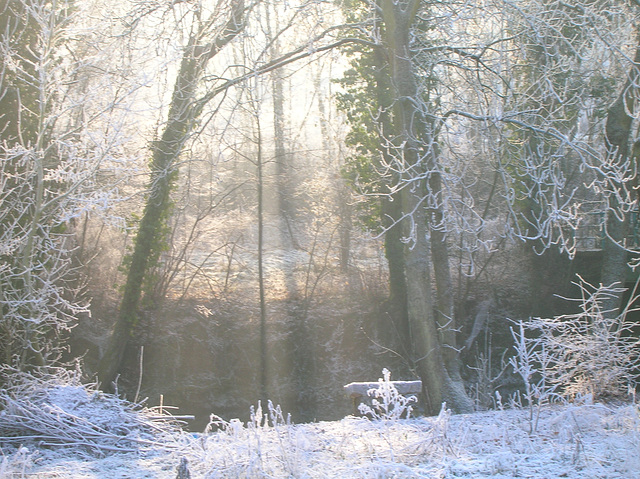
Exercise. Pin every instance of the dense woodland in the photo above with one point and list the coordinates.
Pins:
(216, 202)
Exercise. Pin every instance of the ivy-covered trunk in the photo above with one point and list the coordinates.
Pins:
(152, 233)
(433, 337)
(391, 212)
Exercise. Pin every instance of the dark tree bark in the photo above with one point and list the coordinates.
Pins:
(618, 129)
(149, 239)
(434, 351)
(394, 253)
(391, 210)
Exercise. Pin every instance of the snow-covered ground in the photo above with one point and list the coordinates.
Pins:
(569, 441)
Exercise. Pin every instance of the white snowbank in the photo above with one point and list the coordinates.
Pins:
(587, 441)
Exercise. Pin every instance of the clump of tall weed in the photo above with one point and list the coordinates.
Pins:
(387, 403)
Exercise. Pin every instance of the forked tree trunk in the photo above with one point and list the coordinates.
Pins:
(433, 339)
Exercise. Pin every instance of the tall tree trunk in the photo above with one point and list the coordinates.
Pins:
(264, 356)
(391, 211)
(618, 129)
(439, 384)
(445, 312)
(165, 152)
(284, 171)
(341, 192)
(424, 335)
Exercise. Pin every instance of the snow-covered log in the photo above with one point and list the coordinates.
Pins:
(359, 389)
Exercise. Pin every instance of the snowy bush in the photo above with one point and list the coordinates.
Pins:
(53, 171)
(387, 402)
(17, 464)
(531, 363)
(251, 449)
(592, 353)
(36, 272)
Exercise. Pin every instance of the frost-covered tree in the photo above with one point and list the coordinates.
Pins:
(210, 31)
(493, 129)
(575, 70)
(51, 158)
(590, 354)
(203, 77)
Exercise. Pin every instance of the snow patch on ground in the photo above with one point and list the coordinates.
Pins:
(573, 441)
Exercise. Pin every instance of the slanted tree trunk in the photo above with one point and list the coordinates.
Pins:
(165, 152)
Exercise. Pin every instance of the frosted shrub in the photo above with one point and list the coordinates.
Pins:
(18, 464)
(274, 417)
(592, 353)
(387, 402)
(268, 445)
(532, 362)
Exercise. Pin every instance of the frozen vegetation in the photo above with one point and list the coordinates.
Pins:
(54, 426)
(58, 428)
